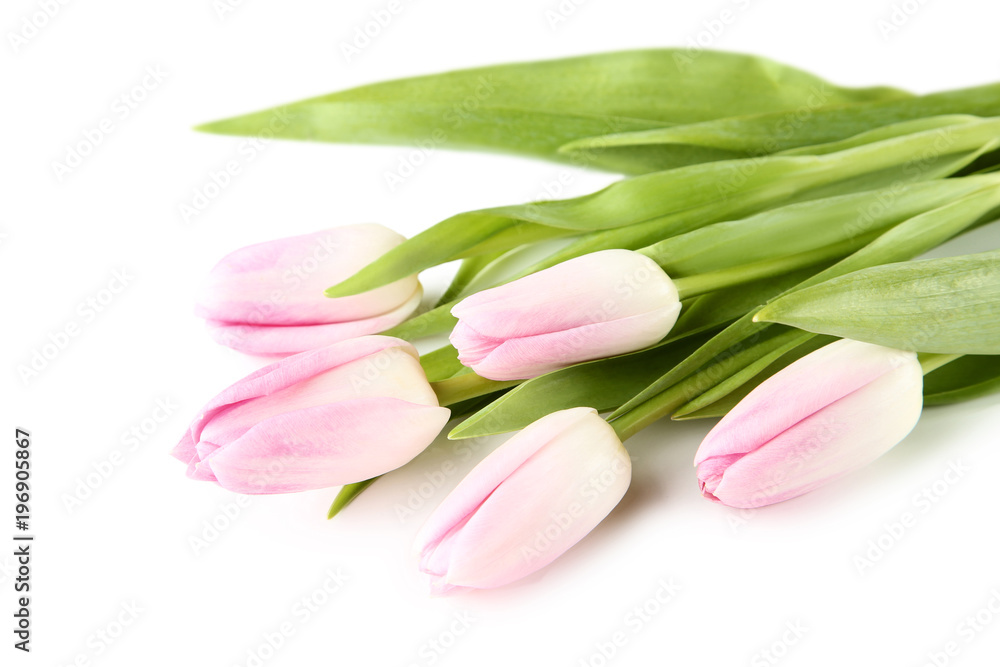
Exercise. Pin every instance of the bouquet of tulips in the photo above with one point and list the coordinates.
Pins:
(755, 263)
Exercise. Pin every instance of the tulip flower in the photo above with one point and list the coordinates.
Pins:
(598, 305)
(268, 298)
(831, 412)
(526, 503)
(336, 415)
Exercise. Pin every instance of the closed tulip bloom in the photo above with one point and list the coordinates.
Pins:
(268, 298)
(598, 305)
(528, 502)
(831, 412)
(336, 415)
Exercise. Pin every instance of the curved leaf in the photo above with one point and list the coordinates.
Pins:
(904, 241)
(671, 202)
(765, 134)
(535, 107)
(949, 305)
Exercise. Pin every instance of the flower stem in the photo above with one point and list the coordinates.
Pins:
(931, 362)
(652, 410)
(465, 386)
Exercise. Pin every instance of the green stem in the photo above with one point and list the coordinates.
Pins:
(465, 386)
(662, 404)
(931, 362)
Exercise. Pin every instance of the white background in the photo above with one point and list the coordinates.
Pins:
(743, 578)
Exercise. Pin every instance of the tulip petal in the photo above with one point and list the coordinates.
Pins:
(281, 282)
(290, 339)
(531, 356)
(839, 438)
(541, 510)
(620, 283)
(289, 371)
(185, 450)
(491, 471)
(525, 504)
(326, 445)
(798, 391)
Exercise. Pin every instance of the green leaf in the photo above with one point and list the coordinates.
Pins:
(533, 108)
(781, 342)
(883, 133)
(964, 379)
(466, 274)
(347, 495)
(764, 134)
(904, 241)
(710, 310)
(671, 202)
(602, 385)
(455, 238)
(803, 227)
(733, 390)
(430, 323)
(949, 305)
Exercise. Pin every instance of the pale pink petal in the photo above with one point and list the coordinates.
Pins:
(326, 445)
(839, 438)
(282, 281)
(798, 391)
(542, 509)
(289, 371)
(593, 288)
(290, 339)
(531, 356)
(528, 502)
(492, 471)
(185, 449)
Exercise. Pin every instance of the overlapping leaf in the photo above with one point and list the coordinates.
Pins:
(533, 108)
(768, 133)
(638, 211)
(949, 305)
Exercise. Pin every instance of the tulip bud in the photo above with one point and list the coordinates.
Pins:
(831, 412)
(526, 503)
(268, 298)
(595, 306)
(336, 415)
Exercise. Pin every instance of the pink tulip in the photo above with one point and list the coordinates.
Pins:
(339, 414)
(525, 504)
(268, 298)
(599, 305)
(831, 412)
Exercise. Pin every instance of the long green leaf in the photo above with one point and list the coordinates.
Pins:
(533, 108)
(949, 305)
(435, 321)
(346, 496)
(645, 209)
(722, 398)
(765, 134)
(904, 241)
(798, 228)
